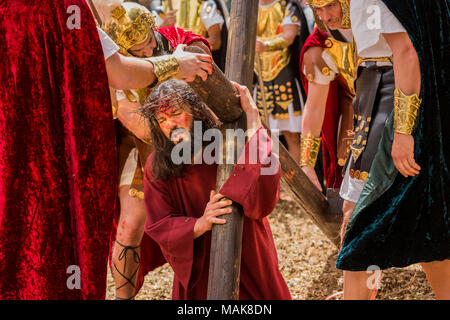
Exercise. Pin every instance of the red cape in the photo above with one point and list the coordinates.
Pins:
(333, 172)
(177, 36)
(151, 256)
(58, 161)
(174, 206)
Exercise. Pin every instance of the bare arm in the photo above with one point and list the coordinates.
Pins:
(408, 80)
(129, 72)
(132, 73)
(129, 116)
(314, 111)
(289, 32)
(406, 62)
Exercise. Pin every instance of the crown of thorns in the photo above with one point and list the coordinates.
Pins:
(153, 106)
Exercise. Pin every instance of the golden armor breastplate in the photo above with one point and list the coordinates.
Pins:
(188, 15)
(343, 55)
(268, 28)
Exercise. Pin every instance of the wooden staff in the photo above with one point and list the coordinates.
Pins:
(226, 105)
(226, 240)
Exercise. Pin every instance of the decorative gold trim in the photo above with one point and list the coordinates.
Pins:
(309, 150)
(127, 32)
(285, 115)
(310, 77)
(326, 71)
(361, 60)
(164, 67)
(356, 152)
(118, 12)
(134, 193)
(406, 109)
(360, 175)
(277, 43)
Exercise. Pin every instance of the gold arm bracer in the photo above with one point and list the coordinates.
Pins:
(164, 67)
(406, 109)
(278, 43)
(309, 150)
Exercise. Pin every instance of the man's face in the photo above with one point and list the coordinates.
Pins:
(145, 49)
(176, 123)
(331, 15)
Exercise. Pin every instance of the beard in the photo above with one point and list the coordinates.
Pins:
(179, 135)
(187, 139)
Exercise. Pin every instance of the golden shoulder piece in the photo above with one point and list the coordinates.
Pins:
(321, 3)
(130, 25)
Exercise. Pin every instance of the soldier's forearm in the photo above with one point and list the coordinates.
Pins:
(129, 73)
(406, 63)
(407, 82)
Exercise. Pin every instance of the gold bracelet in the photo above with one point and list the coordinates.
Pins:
(309, 150)
(405, 111)
(114, 111)
(164, 67)
(278, 43)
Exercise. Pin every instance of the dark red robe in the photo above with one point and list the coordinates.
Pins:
(58, 162)
(175, 36)
(174, 206)
(332, 172)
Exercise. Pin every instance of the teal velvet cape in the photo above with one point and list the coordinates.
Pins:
(402, 221)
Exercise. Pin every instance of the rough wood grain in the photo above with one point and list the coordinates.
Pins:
(226, 240)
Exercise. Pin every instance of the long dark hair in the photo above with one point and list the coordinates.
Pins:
(172, 93)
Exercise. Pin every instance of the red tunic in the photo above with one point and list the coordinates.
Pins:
(58, 161)
(175, 36)
(333, 172)
(174, 206)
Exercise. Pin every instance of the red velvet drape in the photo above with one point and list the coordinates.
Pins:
(58, 180)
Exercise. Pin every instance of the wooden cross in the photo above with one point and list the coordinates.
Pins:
(226, 239)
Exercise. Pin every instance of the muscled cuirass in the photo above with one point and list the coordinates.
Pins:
(268, 28)
(188, 15)
(343, 55)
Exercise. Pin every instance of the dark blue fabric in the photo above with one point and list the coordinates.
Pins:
(401, 221)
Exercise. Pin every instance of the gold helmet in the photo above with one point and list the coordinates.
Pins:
(130, 24)
(321, 3)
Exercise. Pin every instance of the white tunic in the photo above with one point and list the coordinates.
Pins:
(370, 19)
(210, 15)
(108, 45)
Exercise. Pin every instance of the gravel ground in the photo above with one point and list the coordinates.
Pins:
(307, 261)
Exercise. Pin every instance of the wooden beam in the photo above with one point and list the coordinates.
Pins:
(225, 104)
(226, 240)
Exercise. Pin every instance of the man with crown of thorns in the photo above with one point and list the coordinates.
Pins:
(132, 28)
(182, 204)
(327, 72)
